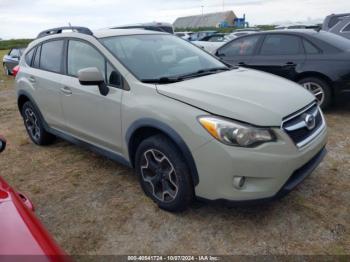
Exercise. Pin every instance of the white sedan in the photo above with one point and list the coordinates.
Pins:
(212, 43)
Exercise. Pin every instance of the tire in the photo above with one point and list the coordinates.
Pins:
(34, 125)
(318, 86)
(163, 173)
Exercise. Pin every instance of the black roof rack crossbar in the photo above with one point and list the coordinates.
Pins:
(59, 30)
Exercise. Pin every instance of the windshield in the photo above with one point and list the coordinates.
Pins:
(159, 56)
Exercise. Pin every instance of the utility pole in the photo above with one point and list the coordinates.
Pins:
(223, 5)
(202, 6)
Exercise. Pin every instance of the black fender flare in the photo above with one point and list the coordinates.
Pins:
(169, 131)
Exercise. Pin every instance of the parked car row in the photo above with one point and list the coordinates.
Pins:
(315, 59)
(214, 36)
(214, 40)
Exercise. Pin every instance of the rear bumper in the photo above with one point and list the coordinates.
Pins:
(294, 180)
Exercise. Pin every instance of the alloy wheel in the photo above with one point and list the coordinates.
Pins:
(316, 90)
(32, 125)
(160, 176)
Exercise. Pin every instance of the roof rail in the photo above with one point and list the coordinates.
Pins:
(59, 30)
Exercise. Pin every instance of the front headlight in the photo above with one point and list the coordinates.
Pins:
(235, 133)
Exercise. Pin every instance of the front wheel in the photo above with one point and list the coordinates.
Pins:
(163, 173)
(320, 89)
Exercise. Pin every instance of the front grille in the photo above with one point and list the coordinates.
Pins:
(303, 126)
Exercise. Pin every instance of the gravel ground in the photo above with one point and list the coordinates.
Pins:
(94, 206)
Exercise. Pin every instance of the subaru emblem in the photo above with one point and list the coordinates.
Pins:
(310, 121)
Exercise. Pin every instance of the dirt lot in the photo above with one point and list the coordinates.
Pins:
(94, 206)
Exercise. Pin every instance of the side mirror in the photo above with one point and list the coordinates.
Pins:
(2, 144)
(91, 76)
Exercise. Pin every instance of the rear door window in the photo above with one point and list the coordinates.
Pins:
(52, 56)
(281, 45)
(244, 46)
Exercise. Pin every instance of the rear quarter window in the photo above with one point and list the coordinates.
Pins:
(244, 46)
(36, 62)
(279, 44)
(310, 48)
(29, 57)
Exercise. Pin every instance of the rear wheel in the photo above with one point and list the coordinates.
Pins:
(34, 125)
(163, 173)
(320, 89)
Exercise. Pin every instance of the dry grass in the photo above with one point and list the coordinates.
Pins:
(94, 206)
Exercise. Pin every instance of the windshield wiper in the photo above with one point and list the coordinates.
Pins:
(163, 80)
(204, 72)
(174, 79)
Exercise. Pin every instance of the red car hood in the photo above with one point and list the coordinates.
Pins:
(21, 232)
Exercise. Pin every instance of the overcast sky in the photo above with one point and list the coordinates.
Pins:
(25, 18)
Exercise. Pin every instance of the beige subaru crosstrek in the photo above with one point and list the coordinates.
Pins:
(191, 126)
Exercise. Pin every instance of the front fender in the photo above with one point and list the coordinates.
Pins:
(169, 131)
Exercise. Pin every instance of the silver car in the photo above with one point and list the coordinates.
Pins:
(338, 24)
(191, 126)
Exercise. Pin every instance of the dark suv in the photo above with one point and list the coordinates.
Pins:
(11, 59)
(319, 61)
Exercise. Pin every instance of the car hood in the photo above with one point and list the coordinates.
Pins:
(243, 94)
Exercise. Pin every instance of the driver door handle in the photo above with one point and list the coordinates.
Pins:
(66, 90)
(290, 64)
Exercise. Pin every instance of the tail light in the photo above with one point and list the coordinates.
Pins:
(15, 71)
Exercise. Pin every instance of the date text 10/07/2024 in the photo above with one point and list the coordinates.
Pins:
(173, 258)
